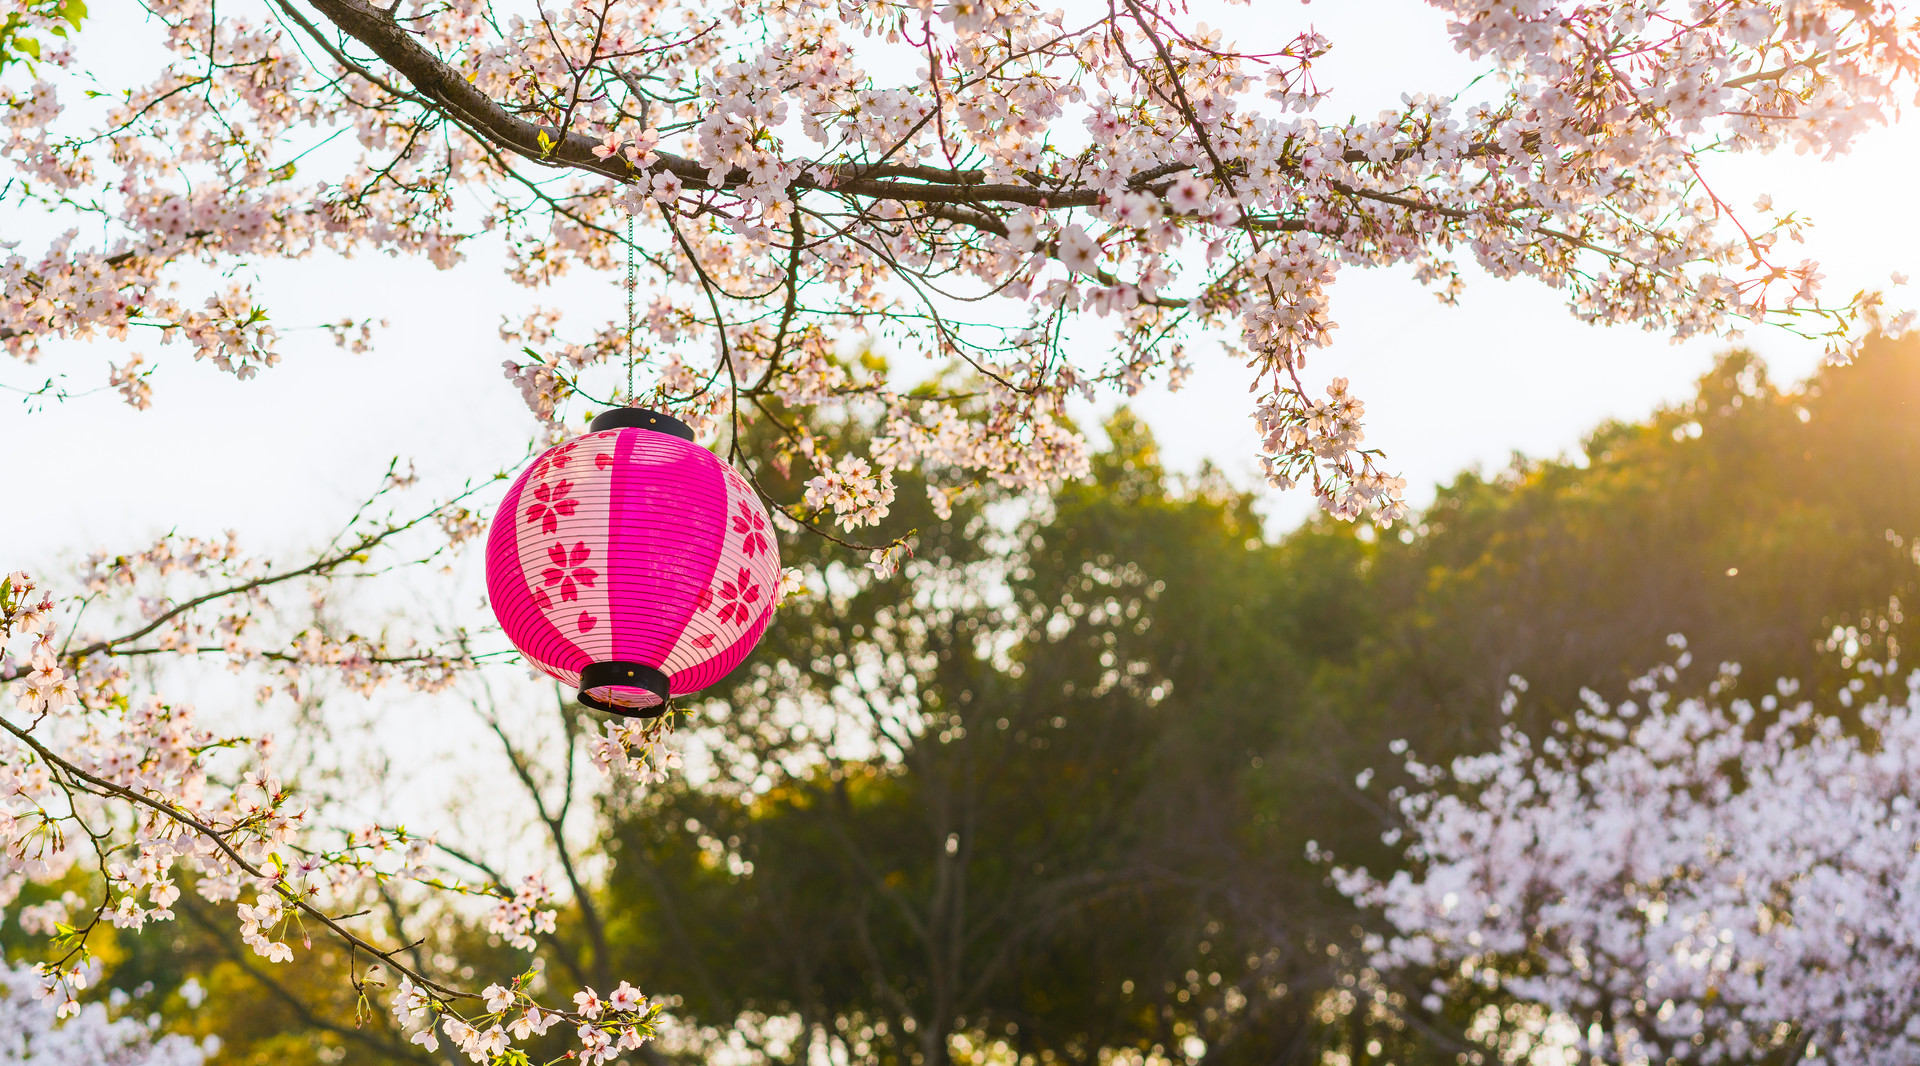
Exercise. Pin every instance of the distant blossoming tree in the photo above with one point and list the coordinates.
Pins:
(35, 1031)
(984, 183)
(1692, 880)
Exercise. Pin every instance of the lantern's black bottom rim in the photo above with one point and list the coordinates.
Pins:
(626, 675)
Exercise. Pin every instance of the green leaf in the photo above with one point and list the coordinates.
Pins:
(16, 45)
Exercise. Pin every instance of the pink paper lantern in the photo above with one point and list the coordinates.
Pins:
(632, 564)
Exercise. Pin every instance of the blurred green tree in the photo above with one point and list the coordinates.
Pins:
(1050, 793)
(1054, 798)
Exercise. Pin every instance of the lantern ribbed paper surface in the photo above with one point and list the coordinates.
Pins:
(633, 557)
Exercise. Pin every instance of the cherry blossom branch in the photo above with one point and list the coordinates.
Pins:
(300, 1007)
(219, 840)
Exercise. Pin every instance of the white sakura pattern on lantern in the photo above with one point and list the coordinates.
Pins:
(568, 573)
(551, 503)
(752, 527)
(561, 547)
(554, 460)
(737, 598)
(671, 605)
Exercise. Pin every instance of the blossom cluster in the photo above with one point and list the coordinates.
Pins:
(1035, 179)
(626, 749)
(1707, 879)
(606, 1028)
(37, 1032)
(135, 787)
(243, 628)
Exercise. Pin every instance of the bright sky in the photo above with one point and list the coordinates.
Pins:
(283, 457)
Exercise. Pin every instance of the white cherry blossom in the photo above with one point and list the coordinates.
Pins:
(38, 1031)
(1706, 879)
(794, 193)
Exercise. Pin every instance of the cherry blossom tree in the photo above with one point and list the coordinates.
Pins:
(991, 185)
(977, 181)
(103, 774)
(1707, 879)
(36, 1032)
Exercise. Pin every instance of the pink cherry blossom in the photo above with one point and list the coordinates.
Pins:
(1141, 171)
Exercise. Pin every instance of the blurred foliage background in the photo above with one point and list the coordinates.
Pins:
(1049, 794)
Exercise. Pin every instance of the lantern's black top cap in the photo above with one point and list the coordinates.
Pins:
(640, 418)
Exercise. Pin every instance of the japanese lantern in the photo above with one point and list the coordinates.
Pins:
(631, 564)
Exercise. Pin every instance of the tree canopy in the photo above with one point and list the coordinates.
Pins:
(981, 182)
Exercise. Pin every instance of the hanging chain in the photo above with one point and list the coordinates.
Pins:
(631, 399)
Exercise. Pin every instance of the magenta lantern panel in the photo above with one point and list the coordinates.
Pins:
(632, 564)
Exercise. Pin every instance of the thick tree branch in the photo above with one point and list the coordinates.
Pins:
(552, 146)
